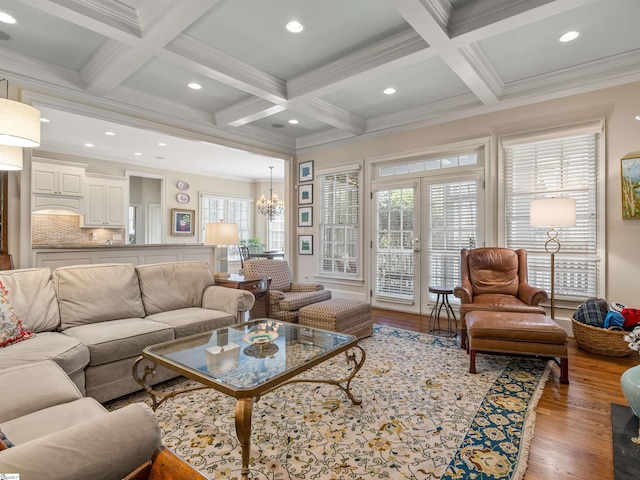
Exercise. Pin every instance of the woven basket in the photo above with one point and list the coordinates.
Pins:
(600, 340)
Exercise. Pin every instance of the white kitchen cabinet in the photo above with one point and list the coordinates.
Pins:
(57, 178)
(106, 200)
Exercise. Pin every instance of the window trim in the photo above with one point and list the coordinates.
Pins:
(592, 127)
(338, 278)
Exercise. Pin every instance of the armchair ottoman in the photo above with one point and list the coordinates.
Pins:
(339, 315)
(528, 334)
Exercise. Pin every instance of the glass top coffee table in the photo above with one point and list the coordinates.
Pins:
(248, 360)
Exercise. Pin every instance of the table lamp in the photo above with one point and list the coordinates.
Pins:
(553, 212)
(221, 234)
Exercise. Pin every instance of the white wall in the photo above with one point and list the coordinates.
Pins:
(618, 106)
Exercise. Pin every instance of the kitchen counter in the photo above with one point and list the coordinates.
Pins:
(76, 246)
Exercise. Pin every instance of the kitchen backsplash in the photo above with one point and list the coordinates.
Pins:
(65, 230)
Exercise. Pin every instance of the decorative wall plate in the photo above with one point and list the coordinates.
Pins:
(183, 198)
(184, 186)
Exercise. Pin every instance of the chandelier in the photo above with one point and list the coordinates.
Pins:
(271, 207)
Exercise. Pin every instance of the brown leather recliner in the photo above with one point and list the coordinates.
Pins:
(495, 279)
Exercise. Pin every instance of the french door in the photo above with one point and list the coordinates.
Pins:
(419, 228)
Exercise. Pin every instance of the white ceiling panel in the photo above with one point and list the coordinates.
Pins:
(436, 82)
(445, 58)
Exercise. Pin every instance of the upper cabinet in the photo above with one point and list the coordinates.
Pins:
(106, 201)
(57, 178)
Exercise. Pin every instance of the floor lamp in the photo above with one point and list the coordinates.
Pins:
(221, 234)
(552, 213)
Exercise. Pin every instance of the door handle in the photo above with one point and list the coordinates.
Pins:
(416, 245)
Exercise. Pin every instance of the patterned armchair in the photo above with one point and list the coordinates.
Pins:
(285, 296)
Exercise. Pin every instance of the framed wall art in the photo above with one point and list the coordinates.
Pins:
(305, 216)
(305, 194)
(306, 171)
(630, 171)
(183, 222)
(305, 244)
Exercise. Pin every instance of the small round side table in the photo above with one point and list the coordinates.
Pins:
(442, 300)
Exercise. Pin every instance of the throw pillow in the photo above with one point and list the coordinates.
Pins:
(4, 442)
(11, 328)
(631, 317)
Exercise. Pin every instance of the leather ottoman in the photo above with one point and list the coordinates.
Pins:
(338, 315)
(528, 334)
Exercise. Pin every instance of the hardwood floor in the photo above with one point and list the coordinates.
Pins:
(572, 438)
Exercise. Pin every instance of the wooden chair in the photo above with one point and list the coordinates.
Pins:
(165, 465)
(6, 261)
(244, 254)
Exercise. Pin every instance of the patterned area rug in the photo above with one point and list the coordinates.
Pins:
(423, 416)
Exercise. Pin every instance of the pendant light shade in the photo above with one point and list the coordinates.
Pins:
(19, 124)
(10, 158)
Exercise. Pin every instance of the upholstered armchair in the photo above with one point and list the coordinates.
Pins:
(495, 279)
(285, 296)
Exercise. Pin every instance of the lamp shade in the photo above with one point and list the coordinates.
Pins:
(19, 124)
(10, 158)
(221, 233)
(553, 212)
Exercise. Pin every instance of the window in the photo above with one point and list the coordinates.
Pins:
(565, 164)
(276, 233)
(230, 210)
(339, 221)
(453, 225)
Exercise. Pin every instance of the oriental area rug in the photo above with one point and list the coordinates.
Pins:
(423, 416)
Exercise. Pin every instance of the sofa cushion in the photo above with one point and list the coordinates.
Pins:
(33, 297)
(97, 293)
(189, 321)
(297, 300)
(11, 328)
(52, 419)
(70, 353)
(175, 285)
(118, 339)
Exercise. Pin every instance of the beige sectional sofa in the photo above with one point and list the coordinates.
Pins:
(57, 434)
(95, 320)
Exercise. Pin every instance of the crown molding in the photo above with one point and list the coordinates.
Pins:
(17, 66)
(202, 58)
(116, 14)
(402, 49)
(246, 112)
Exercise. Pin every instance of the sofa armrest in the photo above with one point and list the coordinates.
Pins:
(105, 448)
(28, 388)
(227, 300)
(306, 287)
(464, 291)
(531, 295)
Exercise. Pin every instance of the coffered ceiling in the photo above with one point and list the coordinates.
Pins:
(446, 59)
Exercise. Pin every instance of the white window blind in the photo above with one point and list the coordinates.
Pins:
(453, 225)
(339, 224)
(556, 167)
(395, 260)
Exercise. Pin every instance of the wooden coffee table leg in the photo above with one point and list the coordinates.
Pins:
(244, 407)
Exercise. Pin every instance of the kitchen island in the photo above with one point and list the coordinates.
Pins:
(60, 255)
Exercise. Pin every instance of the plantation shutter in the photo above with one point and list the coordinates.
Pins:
(556, 167)
(339, 224)
(453, 225)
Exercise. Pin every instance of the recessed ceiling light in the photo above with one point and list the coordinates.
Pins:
(137, 154)
(638, 117)
(293, 121)
(389, 91)
(6, 18)
(567, 37)
(295, 26)
(44, 120)
(111, 134)
(162, 144)
(90, 145)
(195, 86)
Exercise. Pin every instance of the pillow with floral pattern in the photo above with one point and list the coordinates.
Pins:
(11, 328)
